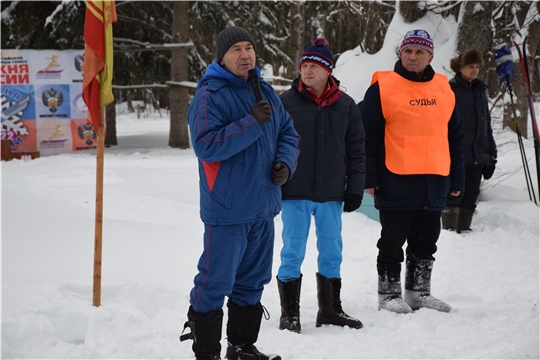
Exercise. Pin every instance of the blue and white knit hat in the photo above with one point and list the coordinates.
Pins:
(318, 53)
(419, 38)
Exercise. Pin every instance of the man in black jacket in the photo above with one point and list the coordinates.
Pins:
(414, 147)
(480, 150)
(329, 179)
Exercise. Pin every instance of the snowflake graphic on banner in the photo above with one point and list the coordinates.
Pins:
(11, 115)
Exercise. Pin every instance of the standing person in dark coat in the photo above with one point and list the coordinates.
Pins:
(246, 149)
(329, 179)
(478, 142)
(414, 147)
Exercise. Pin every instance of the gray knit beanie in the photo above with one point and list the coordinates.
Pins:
(230, 36)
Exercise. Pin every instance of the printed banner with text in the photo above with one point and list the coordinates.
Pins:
(42, 104)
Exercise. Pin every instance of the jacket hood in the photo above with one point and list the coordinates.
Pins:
(215, 71)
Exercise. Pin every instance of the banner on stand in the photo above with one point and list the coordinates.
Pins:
(42, 104)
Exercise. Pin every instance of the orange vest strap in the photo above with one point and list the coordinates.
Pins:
(416, 129)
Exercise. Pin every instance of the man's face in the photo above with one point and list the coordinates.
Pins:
(415, 58)
(239, 59)
(470, 72)
(313, 75)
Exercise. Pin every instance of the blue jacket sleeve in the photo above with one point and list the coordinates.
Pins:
(215, 137)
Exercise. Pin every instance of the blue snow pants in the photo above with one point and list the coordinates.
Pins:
(296, 216)
(236, 262)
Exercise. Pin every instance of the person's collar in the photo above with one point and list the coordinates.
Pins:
(428, 75)
(317, 99)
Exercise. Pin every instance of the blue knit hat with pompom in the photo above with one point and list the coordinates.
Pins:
(318, 53)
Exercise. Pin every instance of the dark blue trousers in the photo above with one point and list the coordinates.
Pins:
(236, 262)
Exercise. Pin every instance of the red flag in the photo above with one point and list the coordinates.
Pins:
(98, 57)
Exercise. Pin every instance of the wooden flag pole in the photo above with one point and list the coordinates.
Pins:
(99, 209)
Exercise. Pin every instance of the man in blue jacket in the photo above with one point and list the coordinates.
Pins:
(246, 149)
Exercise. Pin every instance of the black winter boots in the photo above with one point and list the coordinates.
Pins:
(389, 289)
(458, 219)
(289, 295)
(418, 286)
(330, 311)
(242, 332)
(465, 220)
(449, 217)
(205, 333)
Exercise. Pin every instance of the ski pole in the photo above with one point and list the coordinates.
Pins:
(527, 79)
(528, 179)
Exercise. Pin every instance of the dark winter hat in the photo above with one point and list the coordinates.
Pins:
(417, 37)
(318, 53)
(230, 36)
(468, 57)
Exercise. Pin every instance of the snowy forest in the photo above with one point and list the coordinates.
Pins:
(282, 30)
(152, 231)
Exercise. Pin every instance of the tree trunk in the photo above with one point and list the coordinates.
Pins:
(296, 36)
(520, 101)
(410, 12)
(472, 32)
(179, 135)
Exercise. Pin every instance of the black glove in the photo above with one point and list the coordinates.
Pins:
(352, 202)
(279, 173)
(262, 112)
(489, 169)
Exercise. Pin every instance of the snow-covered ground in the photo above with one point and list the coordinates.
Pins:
(152, 239)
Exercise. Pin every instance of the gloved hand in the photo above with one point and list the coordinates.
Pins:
(352, 202)
(488, 170)
(279, 173)
(262, 112)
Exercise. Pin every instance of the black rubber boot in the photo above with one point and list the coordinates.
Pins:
(330, 311)
(449, 217)
(205, 333)
(389, 289)
(418, 286)
(243, 331)
(289, 295)
(465, 220)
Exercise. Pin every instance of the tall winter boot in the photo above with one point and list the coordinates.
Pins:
(243, 331)
(465, 220)
(330, 311)
(205, 333)
(418, 286)
(449, 217)
(289, 295)
(389, 289)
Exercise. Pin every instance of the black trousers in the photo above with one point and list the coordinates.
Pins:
(419, 228)
(467, 198)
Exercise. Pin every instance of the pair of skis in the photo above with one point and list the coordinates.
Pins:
(526, 78)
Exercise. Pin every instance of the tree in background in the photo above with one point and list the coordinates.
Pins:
(282, 29)
(179, 135)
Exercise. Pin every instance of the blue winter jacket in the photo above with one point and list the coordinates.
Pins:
(235, 153)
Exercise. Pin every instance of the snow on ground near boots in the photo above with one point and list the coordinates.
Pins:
(152, 238)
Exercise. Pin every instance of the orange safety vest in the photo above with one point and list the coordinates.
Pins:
(417, 116)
